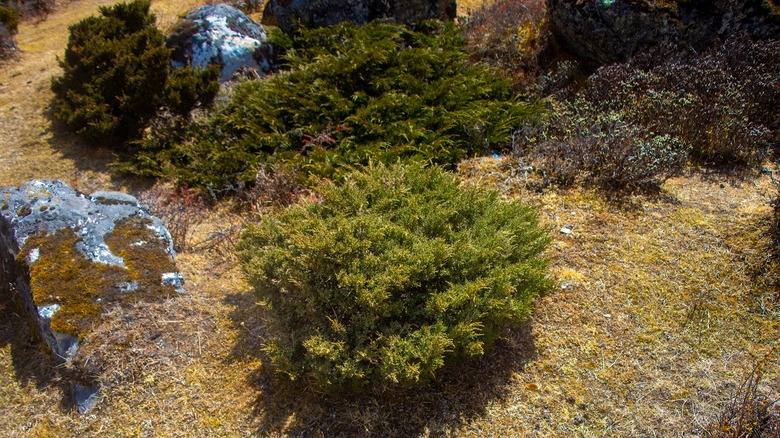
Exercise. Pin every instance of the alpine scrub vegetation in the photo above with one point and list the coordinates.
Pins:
(117, 74)
(351, 94)
(631, 128)
(392, 275)
(9, 24)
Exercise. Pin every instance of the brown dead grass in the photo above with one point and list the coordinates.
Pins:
(653, 329)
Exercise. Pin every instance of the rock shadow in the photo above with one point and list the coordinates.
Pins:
(458, 395)
(32, 363)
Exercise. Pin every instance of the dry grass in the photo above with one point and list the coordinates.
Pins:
(652, 332)
(467, 7)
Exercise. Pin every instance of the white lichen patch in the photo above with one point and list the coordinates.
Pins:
(47, 311)
(232, 48)
(128, 286)
(33, 256)
(173, 279)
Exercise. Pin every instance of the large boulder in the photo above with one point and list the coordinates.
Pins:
(68, 259)
(220, 34)
(289, 14)
(605, 31)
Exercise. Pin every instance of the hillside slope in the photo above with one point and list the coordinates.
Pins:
(657, 322)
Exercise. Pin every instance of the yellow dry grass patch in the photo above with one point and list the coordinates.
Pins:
(654, 325)
(467, 7)
(30, 147)
(656, 321)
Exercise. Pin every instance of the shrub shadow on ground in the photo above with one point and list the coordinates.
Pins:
(460, 392)
(32, 363)
(92, 161)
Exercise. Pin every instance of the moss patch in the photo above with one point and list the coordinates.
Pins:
(145, 256)
(62, 275)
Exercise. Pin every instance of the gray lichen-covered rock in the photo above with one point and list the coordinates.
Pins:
(68, 259)
(316, 13)
(606, 31)
(223, 35)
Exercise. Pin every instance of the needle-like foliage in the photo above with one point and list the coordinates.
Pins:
(352, 94)
(392, 275)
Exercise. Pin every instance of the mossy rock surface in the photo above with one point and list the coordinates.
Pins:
(68, 259)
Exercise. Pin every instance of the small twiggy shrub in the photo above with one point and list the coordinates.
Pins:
(392, 275)
(274, 185)
(750, 413)
(9, 22)
(352, 94)
(512, 35)
(116, 76)
(630, 128)
(180, 209)
(724, 103)
(603, 151)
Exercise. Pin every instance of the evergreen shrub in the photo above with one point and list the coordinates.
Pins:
(9, 18)
(392, 275)
(116, 76)
(351, 94)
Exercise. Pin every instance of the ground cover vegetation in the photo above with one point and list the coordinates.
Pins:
(350, 94)
(117, 75)
(631, 126)
(392, 275)
(11, 12)
(9, 23)
(666, 318)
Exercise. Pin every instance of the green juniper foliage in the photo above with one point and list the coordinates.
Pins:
(352, 93)
(116, 75)
(392, 275)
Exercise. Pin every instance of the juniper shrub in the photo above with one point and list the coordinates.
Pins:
(351, 94)
(392, 275)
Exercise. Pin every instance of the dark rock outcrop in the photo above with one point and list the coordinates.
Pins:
(220, 34)
(605, 31)
(287, 14)
(68, 259)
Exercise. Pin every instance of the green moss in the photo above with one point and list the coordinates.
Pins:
(64, 276)
(146, 262)
(82, 288)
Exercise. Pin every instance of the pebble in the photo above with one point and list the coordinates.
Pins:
(566, 231)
